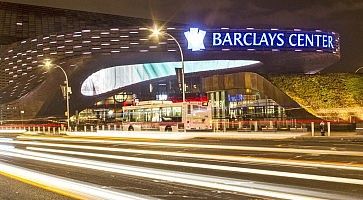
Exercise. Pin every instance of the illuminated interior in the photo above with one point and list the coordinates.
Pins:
(117, 77)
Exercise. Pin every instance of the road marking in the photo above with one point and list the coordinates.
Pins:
(206, 146)
(210, 166)
(202, 156)
(199, 180)
(63, 186)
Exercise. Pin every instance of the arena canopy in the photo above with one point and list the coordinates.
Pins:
(116, 77)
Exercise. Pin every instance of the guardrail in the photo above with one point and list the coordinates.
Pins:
(218, 126)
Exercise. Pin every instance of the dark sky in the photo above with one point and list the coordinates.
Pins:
(342, 16)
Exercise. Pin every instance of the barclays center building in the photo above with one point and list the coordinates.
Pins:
(113, 61)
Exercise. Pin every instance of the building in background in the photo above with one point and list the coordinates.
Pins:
(111, 62)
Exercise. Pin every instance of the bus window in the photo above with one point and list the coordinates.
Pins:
(155, 117)
(177, 111)
(195, 107)
(147, 115)
(132, 116)
(189, 109)
(166, 112)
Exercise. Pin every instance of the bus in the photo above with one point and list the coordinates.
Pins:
(167, 116)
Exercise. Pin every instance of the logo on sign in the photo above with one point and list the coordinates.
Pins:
(195, 38)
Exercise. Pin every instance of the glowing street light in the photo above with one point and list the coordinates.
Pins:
(48, 64)
(156, 32)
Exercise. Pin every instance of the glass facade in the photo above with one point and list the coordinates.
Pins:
(238, 99)
(244, 106)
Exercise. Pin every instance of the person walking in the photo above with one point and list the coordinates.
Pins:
(322, 128)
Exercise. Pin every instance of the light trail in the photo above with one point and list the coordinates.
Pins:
(12, 131)
(199, 180)
(210, 166)
(200, 156)
(205, 146)
(6, 139)
(64, 186)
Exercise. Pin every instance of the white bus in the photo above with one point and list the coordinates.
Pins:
(167, 116)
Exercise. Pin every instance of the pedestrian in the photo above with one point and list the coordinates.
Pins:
(322, 128)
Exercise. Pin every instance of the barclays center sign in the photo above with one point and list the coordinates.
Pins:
(261, 39)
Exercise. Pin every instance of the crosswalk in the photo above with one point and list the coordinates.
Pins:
(205, 167)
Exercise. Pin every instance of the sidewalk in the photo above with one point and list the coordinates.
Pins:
(187, 135)
(215, 135)
(190, 135)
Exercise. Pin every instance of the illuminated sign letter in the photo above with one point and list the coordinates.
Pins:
(228, 39)
(309, 40)
(280, 37)
(237, 38)
(300, 39)
(264, 40)
(245, 39)
(255, 40)
(290, 40)
(330, 39)
(217, 39)
(317, 40)
(272, 38)
(325, 41)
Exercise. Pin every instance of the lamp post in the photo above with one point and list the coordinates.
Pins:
(22, 118)
(1, 114)
(356, 71)
(158, 32)
(48, 64)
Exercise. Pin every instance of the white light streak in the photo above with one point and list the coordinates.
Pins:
(72, 187)
(179, 154)
(206, 166)
(172, 176)
(209, 146)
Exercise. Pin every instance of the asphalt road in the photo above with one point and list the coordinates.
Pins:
(14, 189)
(189, 169)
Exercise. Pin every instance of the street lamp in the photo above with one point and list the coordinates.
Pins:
(22, 119)
(156, 32)
(356, 71)
(48, 64)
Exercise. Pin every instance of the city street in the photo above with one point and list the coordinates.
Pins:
(110, 168)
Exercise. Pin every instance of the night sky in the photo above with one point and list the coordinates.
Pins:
(342, 16)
